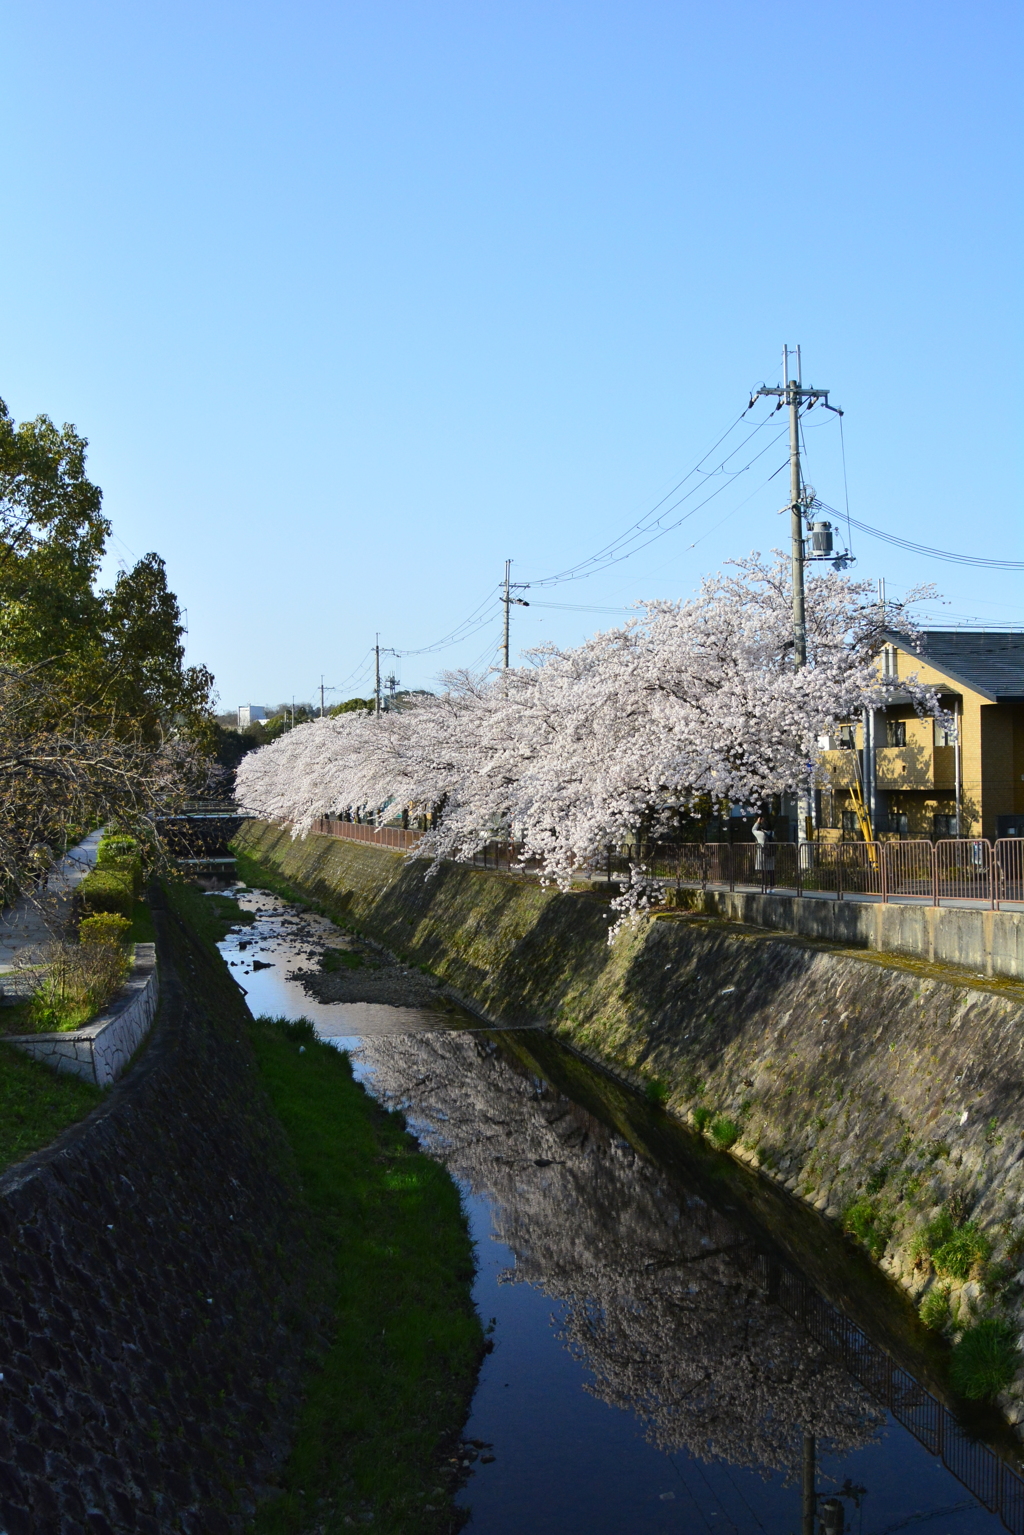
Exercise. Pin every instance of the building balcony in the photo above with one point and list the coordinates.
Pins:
(905, 767)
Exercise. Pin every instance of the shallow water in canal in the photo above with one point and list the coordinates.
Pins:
(642, 1379)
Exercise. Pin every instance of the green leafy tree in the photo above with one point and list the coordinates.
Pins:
(52, 536)
(147, 684)
(100, 718)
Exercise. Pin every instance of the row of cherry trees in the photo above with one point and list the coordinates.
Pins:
(688, 706)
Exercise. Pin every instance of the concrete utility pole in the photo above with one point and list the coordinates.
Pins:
(808, 1500)
(792, 393)
(508, 600)
(376, 677)
(321, 695)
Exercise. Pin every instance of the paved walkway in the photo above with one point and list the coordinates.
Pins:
(28, 924)
(962, 903)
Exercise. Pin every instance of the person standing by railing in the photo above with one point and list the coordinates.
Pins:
(764, 860)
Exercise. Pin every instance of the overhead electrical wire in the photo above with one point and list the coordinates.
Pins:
(612, 553)
(924, 549)
(355, 674)
(739, 507)
(651, 527)
(469, 626)
(617, 550)
(577, 607)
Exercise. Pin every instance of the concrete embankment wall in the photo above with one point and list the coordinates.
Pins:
(988, 943)
(151, 1313)
(852, 1077)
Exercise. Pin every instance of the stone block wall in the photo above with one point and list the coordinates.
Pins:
(154, 1287)
(845, 1075)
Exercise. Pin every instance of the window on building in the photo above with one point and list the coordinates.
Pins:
(944, 826)
(899, 824)
(846, 737)
(944, 737)
(851, 826)
(895, 732)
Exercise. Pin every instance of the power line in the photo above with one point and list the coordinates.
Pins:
(356, 673)
(489, 651)
(469, 626)
(739, 507)
(577, 607)
(929, 553)
(615, 551)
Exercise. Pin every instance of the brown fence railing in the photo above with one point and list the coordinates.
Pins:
(955, 869)
(358, 831)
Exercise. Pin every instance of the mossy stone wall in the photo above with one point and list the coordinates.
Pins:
(870, 1084)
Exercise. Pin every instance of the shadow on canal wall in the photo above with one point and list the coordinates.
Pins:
(885, 1092)
(154, 1286)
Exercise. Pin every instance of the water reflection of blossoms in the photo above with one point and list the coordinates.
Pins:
(657, 1294)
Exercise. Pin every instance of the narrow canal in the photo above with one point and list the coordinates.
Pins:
(664, 1359)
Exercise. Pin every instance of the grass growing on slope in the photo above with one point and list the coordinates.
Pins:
(36, 1104)
(391, 1396)
(211, 917)
(258, 877)
(143, 930)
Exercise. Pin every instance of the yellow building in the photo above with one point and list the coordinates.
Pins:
(918, 780)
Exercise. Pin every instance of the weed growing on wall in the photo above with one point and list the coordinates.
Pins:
(934, 1309)
(725, 1132)
(957, 1250)
(870, 1224)
(985, 1359)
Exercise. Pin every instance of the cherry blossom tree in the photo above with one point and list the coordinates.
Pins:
(687, 703)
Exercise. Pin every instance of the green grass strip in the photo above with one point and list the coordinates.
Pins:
(36, 1104)
(210, 916)
(385, 1408)
(143, 930)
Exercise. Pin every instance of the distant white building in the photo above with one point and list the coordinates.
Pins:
(250, 714)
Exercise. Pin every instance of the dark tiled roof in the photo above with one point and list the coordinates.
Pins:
(990, 662)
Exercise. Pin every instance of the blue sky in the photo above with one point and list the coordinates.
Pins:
(356, 301)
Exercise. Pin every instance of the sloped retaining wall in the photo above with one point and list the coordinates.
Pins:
(151, 1309)
(849, 1077)
(100, 1052)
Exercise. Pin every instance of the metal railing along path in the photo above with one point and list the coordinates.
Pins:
(956, 870)
(992, 1480)
(962, 871)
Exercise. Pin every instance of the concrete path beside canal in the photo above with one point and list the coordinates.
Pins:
(31, 923)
